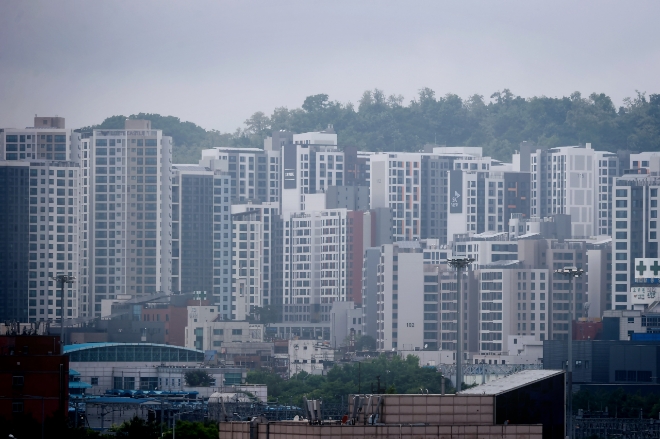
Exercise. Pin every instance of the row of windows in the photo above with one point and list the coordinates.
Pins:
(136, 353)
(47, 137)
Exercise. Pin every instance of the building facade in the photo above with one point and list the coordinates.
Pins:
(128, 184)
(41, 171)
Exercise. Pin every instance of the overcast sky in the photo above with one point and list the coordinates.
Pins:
(217, 62)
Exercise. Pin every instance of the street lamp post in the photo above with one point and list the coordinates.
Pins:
(174, 425)
(62, 279)
(571, 273)
(459, 264)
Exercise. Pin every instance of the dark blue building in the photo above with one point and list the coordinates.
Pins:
(14, 240)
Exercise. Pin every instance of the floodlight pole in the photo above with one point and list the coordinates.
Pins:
(571, 273)
(459, 264)
(62, 279)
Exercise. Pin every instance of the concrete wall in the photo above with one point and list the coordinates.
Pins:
(300, 430)
(438, 409)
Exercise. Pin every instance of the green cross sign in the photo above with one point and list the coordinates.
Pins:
(655, 268)
(641, 268)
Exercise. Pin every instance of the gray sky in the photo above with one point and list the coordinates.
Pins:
(217, 62)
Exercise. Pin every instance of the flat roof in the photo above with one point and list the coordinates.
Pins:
(511, 382)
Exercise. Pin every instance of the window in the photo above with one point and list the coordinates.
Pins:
(17, 407)
(95, 381)
(17, 381)
(236, 332)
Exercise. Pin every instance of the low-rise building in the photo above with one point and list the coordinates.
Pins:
(309, 356)
(522, 349)
(34, 376)
(142, 366)
(212, 335)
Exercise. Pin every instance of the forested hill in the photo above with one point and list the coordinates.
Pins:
(385, 123)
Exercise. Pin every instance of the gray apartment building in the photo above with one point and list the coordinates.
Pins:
(635, 230)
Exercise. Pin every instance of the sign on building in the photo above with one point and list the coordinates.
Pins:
(647, 270)
(456, 187)
(643, 295)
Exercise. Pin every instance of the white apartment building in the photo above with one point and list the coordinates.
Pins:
(396, 184)
(645, 160)
(309, 165)
(255, 172)
(127, 184)
(512, 301)
(253, 247)
(401, 304)
(314, 264)
(41, 221)
(564, 181)
(486, 248)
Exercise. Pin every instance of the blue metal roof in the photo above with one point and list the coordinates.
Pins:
(120, 400)
(82, 346)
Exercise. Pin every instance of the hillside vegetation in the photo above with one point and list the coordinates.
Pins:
(385, 123)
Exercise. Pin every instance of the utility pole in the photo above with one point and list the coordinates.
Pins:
(62, 279)
(571, 273)
(459, 264)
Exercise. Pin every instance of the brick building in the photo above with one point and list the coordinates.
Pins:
(34, 377)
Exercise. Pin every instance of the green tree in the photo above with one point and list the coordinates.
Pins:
(365, 342)
(618, 402)
(198, 378)
(385, 123)
(194, 430)
(136, 428)
(267, 314)
(402, 375)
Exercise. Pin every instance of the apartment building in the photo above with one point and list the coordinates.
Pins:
(201, 233)
(314, 264)
(396, 184)
(253, 257)
(435, 196)
(599, 277)
(512, 301)
(365, 229)
(310, 165)
(419, 310)
(127, 184)
(486, 248)
(255, 172)
(610, 166)
(192, 226)
(635, 231)
(564, 182)
(40, 219)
